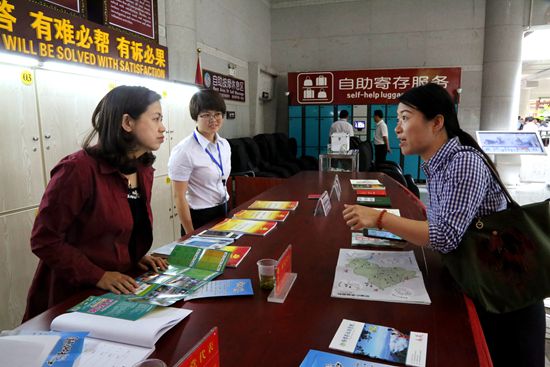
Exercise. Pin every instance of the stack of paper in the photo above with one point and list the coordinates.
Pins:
(254, 227)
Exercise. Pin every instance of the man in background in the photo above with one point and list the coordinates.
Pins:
(381, 142)
(341, 125)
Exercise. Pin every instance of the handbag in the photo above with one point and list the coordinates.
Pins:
(503, 259)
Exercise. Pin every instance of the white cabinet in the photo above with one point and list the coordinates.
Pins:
(17, 265)
(21, 177)
(161, 206)
(66, 103)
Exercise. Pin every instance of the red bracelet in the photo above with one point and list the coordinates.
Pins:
(379, 220)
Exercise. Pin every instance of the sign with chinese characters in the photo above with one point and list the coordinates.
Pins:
(283, 269)
(382, 86)
(229, 87)
(38, 31)
(205, 353)
(131, 15)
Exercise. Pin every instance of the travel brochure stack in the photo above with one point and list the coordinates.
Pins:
(371, 193)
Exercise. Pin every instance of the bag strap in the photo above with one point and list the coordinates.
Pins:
(510, 201)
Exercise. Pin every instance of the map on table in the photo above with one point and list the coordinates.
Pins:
(388, 276)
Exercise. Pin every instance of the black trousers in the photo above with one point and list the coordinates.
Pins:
(200, 217)
(380, 152)
(515, 338)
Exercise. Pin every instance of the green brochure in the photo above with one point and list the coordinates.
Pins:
(113, 307)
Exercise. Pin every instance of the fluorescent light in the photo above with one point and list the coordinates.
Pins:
(16, 59)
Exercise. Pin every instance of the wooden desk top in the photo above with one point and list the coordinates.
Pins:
(254, 332)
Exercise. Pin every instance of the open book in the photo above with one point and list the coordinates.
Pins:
(143, 332)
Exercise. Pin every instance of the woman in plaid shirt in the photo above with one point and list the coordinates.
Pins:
(460, 188)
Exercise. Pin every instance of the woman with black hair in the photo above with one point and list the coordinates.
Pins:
(94, 223)
(200, 164)
(461, 188)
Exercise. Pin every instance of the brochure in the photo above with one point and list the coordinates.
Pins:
(204, 242)
(316, 358)
(366, 184)
(237, 255)
(381, 342)
(208, 233)
(111, 307)
(254, 227)
(388, 276)
(370, 192)
(143, 332)
(376, 201)
(274, 215)
(274, 205)
(223, 288)
(359, 239)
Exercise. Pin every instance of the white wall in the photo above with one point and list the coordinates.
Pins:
(236, 31)
(371, 34)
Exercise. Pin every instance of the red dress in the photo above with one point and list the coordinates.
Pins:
(83, 228)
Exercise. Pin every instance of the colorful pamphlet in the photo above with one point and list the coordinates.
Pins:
(369, 192)
(367, 184)
(274, 205)
(237, 255)
(111, 307)
(316, 358)
(381, 342)
(254, 227)
(359, 239)
(274, 215)
(223, 288)
(387, 276)
(376, 201)
(214, 243)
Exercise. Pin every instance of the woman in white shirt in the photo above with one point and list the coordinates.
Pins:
(200, 164)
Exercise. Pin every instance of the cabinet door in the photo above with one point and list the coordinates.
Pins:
(21, 177)
(66, 102)
(17, 266)
(161, 205)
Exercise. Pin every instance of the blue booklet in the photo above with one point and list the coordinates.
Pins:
(381, 342)
(223, 288)
(316, 358)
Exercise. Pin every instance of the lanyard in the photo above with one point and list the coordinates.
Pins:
(220, 163)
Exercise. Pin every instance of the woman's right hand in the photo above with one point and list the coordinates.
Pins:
(117, 283)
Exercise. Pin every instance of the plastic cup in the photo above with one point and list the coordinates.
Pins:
(153, 362)
(266, 271)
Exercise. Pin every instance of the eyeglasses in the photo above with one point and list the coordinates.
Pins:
(211, 115)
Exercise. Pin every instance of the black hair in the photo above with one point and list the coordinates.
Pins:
(343, 114)
(113, 142)
(432, 100)
(206, 100)
(379, 113)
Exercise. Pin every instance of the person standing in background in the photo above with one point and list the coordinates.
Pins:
(94, 223)
(341, 125)
(200, 164)
(381, 142)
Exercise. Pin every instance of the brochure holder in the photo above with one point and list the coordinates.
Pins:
(323, 204)
(336, 188)
(284, 278)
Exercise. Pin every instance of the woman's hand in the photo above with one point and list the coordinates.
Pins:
(117, 283)
(153, 262)
(358, 216)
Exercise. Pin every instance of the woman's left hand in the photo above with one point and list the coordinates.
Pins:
(153, 262)
(358, 216)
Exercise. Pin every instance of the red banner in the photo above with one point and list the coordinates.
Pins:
(73, 5)
(283, 268)
(229, 87)
(355, 87)
(38, 31)
(134, 16)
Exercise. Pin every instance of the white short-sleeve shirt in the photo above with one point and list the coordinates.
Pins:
(381, 131)
(189, 162)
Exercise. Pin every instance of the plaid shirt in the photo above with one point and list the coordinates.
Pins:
(461, 188)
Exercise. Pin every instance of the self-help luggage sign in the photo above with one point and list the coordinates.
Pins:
(357, 87)
(315, 88)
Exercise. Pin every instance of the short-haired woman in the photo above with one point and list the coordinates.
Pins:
(94, 223)
(200, 164)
